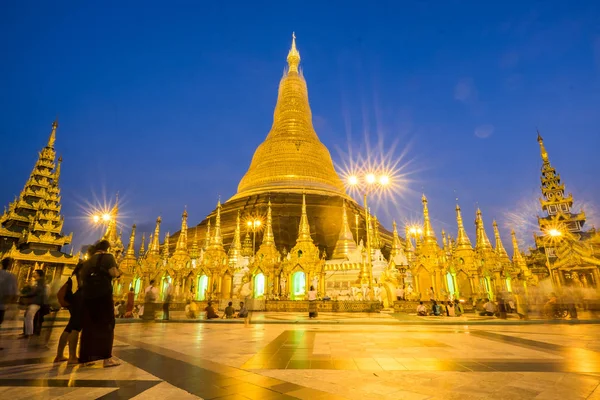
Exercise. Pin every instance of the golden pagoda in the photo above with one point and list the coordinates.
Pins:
(31, 226)
(290, 162)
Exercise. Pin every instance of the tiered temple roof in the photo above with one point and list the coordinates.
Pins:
(31, 226)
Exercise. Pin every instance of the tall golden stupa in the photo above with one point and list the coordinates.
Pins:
(291, 162)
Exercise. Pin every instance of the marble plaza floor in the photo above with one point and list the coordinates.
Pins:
(316, 361)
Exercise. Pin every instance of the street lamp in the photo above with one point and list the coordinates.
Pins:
(101, 218)
(368, 183)
(253, 224)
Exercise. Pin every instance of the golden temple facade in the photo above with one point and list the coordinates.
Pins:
(31, 225)
(314, 234)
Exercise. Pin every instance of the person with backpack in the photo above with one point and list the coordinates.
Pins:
(98, 317)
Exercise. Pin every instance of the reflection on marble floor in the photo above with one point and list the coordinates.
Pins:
(328, 361)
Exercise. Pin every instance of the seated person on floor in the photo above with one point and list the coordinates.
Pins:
(489, 309)
(191, 310)
(421, 309)
(243, 313)
(210, 311)
(229, 311)
(436, 309)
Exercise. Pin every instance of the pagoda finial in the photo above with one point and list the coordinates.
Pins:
(57, 171)
(482, 241)
(195, 250)
(269, 238)
(304, 228)
(345, 243)
(293, 57)
(542, 148)
(182, 240)
(247, 246)
(166, 246)
(154, 247)
(131, 249)
(217, 238)
(500, 250)
(52, 138)
(208, 239)
(408, 247)
(235, 250)
(462, 240)
(428, 234)
(143, 246)
(517, 257)
(396, 245)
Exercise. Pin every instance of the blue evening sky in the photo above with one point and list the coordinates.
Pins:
(165, 102)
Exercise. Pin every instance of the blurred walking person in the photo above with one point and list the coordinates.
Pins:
(168, 296)
(8, 289)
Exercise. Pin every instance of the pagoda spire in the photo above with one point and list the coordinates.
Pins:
(396, 244)
(52, 138)
(345, 243)
(57, 171)
(428, 233)
(217, 239)
(543, 151)
(409, 249)
(154, 246)
(208, 238)
(247, 246)
(195, 252)
(462, 239)
(518, 259)
(268, 237)
(293, 58)
(304, 228)
(143, 246)
(131, 249)
(166, 246)
(499, 249)
(181, 246)
(482, 241)
(235, 250)
(517, 256)
(111, 233)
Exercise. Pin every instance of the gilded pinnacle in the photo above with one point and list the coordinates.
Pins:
(304, 228)
(542, 148)
(293, 57)
(500, 250)
(345, 243)
(269, 238)
(462, 239)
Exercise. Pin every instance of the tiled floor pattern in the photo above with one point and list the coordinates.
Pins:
(179, 361)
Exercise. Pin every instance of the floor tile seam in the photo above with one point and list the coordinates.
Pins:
(221, 376)
(78, 383)
(546, 347)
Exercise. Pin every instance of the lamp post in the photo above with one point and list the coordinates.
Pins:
(367, 184)
(253, 224)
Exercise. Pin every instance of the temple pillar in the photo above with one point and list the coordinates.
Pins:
(472, 283)
(455, 283)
